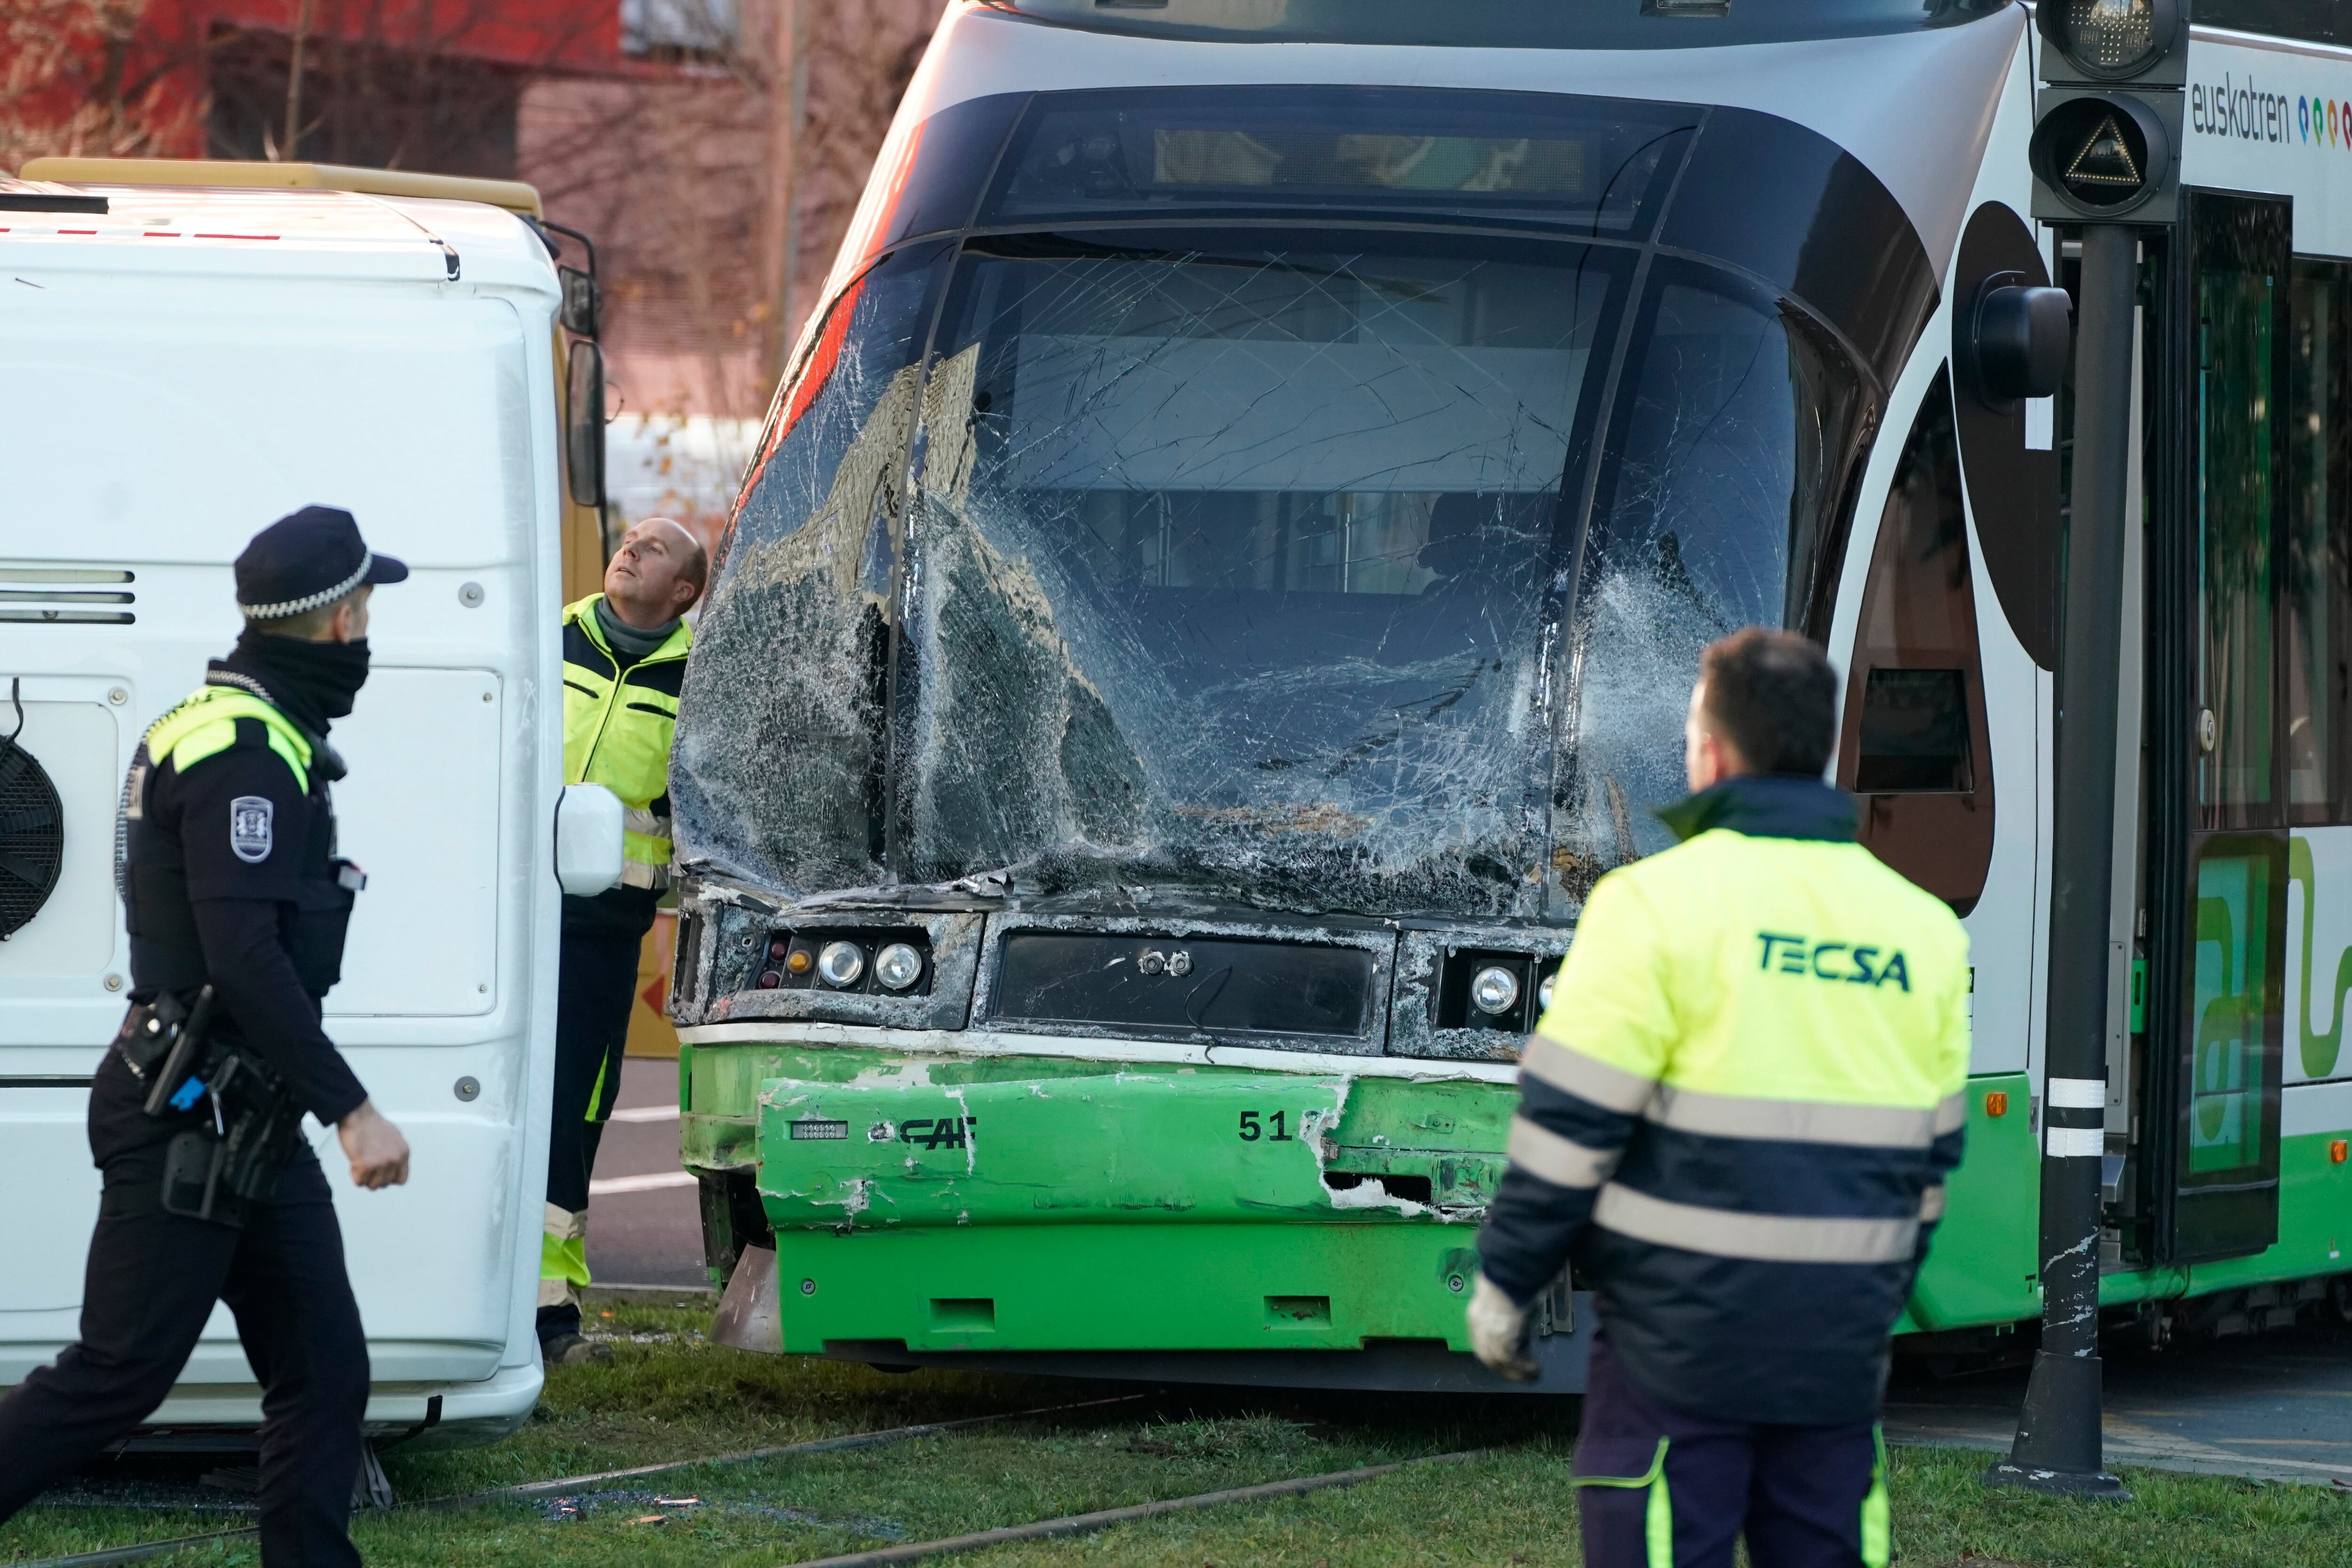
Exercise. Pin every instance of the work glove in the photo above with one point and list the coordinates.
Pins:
(1498, 1332)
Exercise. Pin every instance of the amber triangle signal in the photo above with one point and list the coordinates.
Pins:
(2105, 158)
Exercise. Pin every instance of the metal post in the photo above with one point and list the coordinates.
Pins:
(2058, 1445)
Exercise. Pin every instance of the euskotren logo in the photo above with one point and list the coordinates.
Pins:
(2245, 112)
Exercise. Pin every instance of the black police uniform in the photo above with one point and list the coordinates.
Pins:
(231, 878)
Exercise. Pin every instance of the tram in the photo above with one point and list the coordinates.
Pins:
(1222, 579)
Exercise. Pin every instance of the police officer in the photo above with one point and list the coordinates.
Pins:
(232, 884)
(623, 657)
(1736, 1117)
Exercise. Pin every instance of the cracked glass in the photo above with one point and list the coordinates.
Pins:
(1718, 508)
(777, 772)
(1235, 547)
(1231, 562)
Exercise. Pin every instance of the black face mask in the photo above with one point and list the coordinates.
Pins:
(315, 683)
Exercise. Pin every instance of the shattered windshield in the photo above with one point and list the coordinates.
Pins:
(1306, 556)
(1716, 511)
(1234, 564)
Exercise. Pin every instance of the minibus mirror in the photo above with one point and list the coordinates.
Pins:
(587, 839)
(2019, 340)
(583, 422)
(581, 302)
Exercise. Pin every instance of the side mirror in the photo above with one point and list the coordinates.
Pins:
(2017, 342)
(582, 304)
(583, 425)
(587, 839)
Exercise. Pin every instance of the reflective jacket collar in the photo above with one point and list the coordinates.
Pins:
(580, 612)
(1765, 806)
(308, 753)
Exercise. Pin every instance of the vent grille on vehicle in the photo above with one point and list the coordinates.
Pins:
(32, 832)
(67, 595)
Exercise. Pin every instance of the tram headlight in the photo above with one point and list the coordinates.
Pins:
(1543, 992)
(1494, 990)
(840, 964)
(2113, 40)
(898, 966)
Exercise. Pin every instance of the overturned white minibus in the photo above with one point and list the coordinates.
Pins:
(179, 366)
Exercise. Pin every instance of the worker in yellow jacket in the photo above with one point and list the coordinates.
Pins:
(624, 660)
(1736, 1118)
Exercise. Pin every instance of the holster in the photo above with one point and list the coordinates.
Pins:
(215, 1172)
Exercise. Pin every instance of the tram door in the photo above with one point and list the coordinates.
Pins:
(2221, 650)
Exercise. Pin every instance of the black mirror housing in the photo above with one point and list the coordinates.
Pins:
(2017, 341)
(582, 303)
(583, 425)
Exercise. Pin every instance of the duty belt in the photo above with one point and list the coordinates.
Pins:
(210, 1172)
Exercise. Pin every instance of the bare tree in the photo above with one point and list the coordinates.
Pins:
(77, 76)
(720, 191)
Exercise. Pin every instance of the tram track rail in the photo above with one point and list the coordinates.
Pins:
(1072, 1525)
(141, 1551)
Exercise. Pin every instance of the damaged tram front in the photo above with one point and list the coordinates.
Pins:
(1220, 581)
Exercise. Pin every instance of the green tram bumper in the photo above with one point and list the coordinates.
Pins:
(1163, 1210)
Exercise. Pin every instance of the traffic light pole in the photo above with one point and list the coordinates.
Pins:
(2058, 1447)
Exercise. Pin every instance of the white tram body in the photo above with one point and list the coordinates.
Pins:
(175, 373)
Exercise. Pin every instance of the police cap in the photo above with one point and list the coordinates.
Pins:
(306, 561)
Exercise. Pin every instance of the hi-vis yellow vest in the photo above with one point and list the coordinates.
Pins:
(616, 732)
(206, 724)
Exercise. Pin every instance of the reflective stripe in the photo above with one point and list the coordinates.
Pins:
(636, 873)
(2077, 1094)
(562, 1255)
(1877, 1521)
(596, 1094)
(1658, 1518)
(1931, 1204)
(2078, 1143)
(206, 724)
(1588, 1078)
(1563, 1162)
(636, 822)
(1763, 1238)
(1793, 1121)
(1951, 1114)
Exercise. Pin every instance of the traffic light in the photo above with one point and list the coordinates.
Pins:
(2106, 163)
(2106, 133)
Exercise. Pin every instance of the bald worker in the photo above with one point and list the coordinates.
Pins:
(623, 657)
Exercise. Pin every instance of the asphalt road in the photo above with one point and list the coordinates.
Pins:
(2276, 1405)
(643, 1224)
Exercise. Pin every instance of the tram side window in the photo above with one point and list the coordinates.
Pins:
(2238, 730)
(2317, 593)
(1915, 747)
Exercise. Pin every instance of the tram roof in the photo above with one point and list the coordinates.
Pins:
(1504, 24)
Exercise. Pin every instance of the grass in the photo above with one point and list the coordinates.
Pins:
(670, 1394)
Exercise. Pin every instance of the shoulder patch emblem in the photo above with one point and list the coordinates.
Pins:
(249, 822)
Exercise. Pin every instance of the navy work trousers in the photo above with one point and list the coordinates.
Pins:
(595, 985)
(151, 1282)
(1659, 1489)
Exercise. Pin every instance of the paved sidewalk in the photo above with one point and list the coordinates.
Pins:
(2273, 1407)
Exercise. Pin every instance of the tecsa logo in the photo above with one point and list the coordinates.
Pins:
(2245, 112)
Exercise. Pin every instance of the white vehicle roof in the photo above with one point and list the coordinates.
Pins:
(279, 232)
